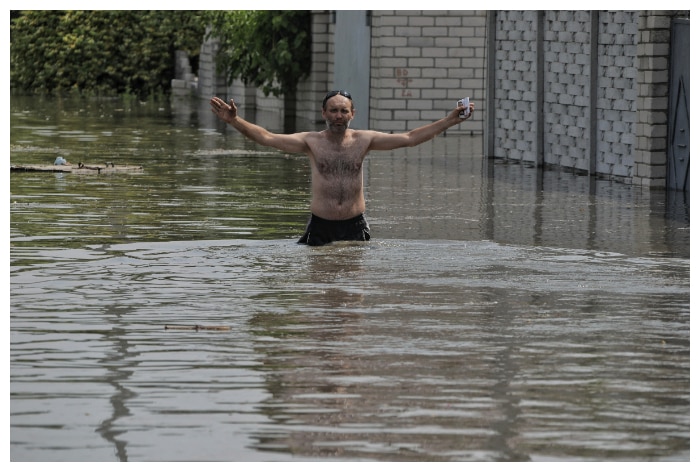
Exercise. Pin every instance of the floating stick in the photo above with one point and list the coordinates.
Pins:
(198, 327)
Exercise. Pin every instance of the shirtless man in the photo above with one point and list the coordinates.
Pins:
(336, 154)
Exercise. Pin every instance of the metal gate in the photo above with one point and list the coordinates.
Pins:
(678, 175)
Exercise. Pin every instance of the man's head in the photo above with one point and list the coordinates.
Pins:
(338, 110)
(333, 93)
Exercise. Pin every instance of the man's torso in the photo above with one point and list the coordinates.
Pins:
(336, 166)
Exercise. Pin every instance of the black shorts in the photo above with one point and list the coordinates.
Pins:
(320, 231)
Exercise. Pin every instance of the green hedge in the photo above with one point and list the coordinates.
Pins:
(105, 52)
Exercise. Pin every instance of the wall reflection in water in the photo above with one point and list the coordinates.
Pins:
(434, 192)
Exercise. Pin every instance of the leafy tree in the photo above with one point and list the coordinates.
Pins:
(102, 51)
(268, 49)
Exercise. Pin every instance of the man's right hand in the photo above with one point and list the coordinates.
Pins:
(225, 111)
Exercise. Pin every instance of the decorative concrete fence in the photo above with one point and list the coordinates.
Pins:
(586, 90)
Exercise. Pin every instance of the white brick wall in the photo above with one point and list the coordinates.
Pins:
(422, 62)
(652, 49)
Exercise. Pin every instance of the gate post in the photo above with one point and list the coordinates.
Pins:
(654, 34)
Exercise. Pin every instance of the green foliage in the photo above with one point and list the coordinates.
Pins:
(264, 48)
(102, 51)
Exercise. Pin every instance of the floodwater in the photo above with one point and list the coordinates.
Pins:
(500, 313)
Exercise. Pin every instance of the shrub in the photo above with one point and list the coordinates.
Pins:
(102, 51)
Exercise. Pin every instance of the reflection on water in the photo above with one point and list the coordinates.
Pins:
(397, 350)
(499, 313)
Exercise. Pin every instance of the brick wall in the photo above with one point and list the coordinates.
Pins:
(312, 90)
(422, 62)
(653, 50)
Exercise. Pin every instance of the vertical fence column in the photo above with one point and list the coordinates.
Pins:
(490, 108)
(593, 98)
(539, 145)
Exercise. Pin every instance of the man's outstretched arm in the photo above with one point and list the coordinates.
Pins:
(387, 142)
(228, 112)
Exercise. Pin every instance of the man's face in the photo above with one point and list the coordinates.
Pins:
(338, 113)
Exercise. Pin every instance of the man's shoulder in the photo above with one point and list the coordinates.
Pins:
(365, 133)
(311, 137)
(369, 132)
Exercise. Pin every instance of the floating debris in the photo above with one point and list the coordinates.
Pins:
(198, 328)
(80, 168)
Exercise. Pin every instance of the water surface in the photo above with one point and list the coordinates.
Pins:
(499, 312)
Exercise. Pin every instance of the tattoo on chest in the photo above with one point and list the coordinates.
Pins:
(335, 166)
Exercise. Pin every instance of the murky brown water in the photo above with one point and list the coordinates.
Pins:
(499, 313)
